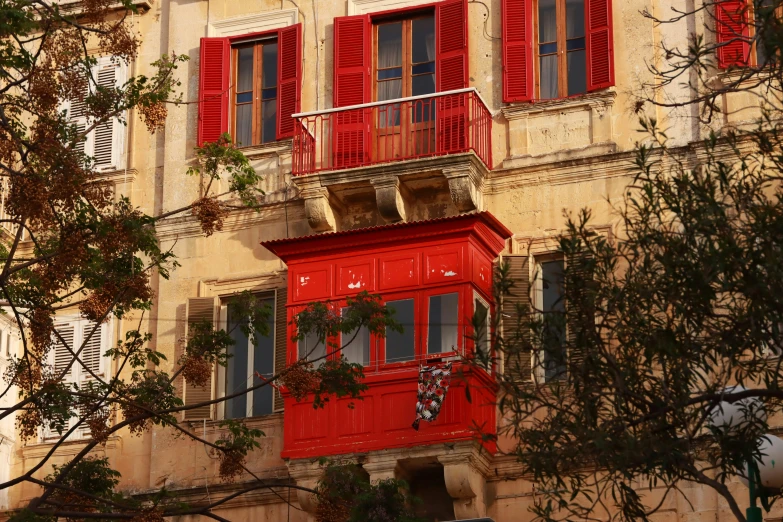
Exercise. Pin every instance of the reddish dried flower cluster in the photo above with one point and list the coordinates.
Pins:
(152, 515)
(231, 465)
(195, 370)
(153, 115)
(301, 380)
(98, 423)
(210, 214)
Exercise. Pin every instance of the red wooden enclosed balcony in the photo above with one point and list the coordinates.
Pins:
(392, 130)
(435, 274)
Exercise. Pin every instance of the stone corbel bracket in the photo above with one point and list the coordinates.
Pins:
(392, 198)
(306, 474)
(465, 477)
(317, 204)
(466, 186)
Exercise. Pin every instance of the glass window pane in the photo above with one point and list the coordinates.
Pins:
(236, 369)
(443, 319)
(269, 65)
(553, 307)
(358, 348)
(264, 363)
(244, 132)
(575, 18)
(548, 73)
(423, 68)
(424, 84)
(311, 348)
(389, 74)
(401, 346)
(390, 45)
(245, 69)
(575, 44)
(423, 39)
(577, 72)
(482, 335)
(547, 21)
(269, 116)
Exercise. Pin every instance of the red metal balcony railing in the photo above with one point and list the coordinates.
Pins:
(393, 130)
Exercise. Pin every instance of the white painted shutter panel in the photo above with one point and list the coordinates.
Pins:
(91, 353)
(199, 309)
(60, 358)
(108, 141)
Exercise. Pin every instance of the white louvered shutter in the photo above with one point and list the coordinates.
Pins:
(61, 357)
(105, 143)
(91, 353)
(200, 309)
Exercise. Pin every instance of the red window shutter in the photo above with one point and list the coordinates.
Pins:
(289, 74)
(213, 89)
(451, 72)
(517, 50)
(600, 47)
(352, 86)
(352, 60)
(733, 33)
(451, 55)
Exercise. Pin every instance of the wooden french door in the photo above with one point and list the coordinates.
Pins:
(404, 66)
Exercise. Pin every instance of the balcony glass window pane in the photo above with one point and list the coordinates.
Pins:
(358, 348)
(236, 368)
(443, 319)
(264, 363)
(548, 71)
(553, 307)
(482, 335)
(423, 39)
(577, 72)
(401, 346)
(547, 21)
(269, 117)
(575, 19)
(269, 65)
(390, 45)
(245, 69)
(311, 348)
(244, 134)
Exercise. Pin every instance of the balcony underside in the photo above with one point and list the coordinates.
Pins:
(333, 198)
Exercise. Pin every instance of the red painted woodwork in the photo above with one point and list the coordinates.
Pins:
(289, 77)
(451, 57)
(354, 137)
(213, 89)
(599, 44)
(517, 16)
(733, 33)
(352, 86)
(402, 261)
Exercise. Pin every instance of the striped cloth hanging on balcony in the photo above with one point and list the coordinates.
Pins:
(433, 386)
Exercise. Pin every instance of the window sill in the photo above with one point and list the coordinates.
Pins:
(603, 98)
(268, 149)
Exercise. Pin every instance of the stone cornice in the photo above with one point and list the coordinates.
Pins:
(603, 98)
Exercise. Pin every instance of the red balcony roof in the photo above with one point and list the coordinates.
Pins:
(489, 230)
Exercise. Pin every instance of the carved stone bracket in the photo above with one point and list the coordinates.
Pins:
(306, 474)
(466, 483)
(318, 209)
(465, 187)
(383, 467)
(390, 197)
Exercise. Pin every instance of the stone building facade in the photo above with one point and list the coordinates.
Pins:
(519, 108)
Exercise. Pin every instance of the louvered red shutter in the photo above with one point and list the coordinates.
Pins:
(451, 72)
(732, 33)
(451, 55)
(289, 74)
(352, 62)
(213, 89)
(517, 50)
(600, 48)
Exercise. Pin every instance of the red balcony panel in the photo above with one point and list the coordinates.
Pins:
(312, 283)
(384, 418)
(355, 276)
(399, 271)
(393, 130)
(444, 265)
